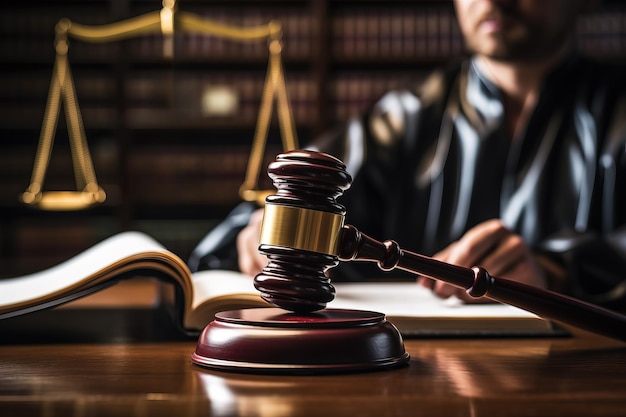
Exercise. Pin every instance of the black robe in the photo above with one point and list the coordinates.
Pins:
(430, 163)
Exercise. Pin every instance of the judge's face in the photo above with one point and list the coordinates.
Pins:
(517, 30)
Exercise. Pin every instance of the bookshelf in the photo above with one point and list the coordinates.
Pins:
(170, 160)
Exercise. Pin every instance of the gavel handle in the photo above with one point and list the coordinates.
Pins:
(355, 245)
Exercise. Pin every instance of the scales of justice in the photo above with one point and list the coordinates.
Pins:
(168, 21)
(303, 232)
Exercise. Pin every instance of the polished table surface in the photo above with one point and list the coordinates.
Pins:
(582, 375)
(115, 354)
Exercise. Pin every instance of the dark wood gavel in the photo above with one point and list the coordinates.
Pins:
(303, 234)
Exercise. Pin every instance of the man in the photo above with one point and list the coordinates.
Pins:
(513, 160)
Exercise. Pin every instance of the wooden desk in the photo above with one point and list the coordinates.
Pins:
(584, 375)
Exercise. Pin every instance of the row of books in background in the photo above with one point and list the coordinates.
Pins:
(222, 97)
(40, 242)
(429, 32)
(166, 175)
(350, 92)
(603, 34)
(27, 36)
(296, 36)
(409, 32)
(185, 99)
(154, 99)
(432, 32)
(200, 175)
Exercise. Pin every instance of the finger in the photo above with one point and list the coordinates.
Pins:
(256, 219)
(257, 259)
(247, 250)
(256, 223)
(527, 271)
(506, 255)
(477, 242)
(444, 290)
(260, 261)
(245, 259)
(426, 282)
(444, 254)
(250, 261)
(468, 299)
(440, 256)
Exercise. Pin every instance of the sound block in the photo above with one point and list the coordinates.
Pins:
(272, 340)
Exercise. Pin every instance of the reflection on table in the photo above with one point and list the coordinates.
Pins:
(582, 375)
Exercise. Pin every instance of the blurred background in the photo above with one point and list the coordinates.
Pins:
(170, 136)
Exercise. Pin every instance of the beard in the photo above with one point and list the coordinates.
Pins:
(519, 44)
(502, 32)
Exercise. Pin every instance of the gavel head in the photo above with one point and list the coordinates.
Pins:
(301, 230)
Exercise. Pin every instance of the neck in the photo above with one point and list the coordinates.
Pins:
(520, 84)
(515, 80)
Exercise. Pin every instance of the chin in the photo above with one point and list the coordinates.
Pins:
(499, 50)
(504, 45)
(492, 49)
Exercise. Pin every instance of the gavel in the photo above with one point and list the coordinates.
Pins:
(303, 235)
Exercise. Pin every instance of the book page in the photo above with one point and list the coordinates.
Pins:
(77, 271)
(218, 283)
(220, 290)
(417, 311)
(413, 300)
(391, 298)
(414, 309)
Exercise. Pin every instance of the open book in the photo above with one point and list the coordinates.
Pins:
(412, 308)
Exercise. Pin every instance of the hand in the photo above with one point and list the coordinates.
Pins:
(251, 261)
(492, 246)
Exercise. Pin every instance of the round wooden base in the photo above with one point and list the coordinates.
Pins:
(272, 340)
